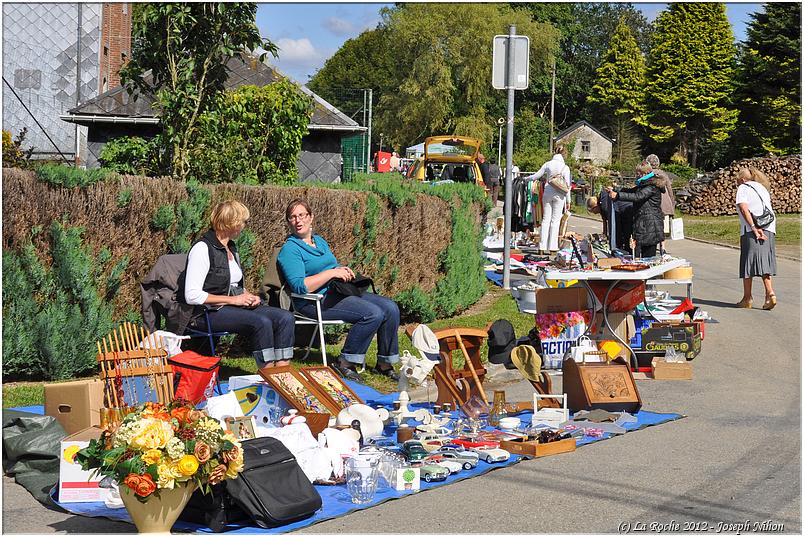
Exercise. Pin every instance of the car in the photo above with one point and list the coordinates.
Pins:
(492, 454)
(448, 157)
(413, 450)
(467, 459)
(433, 472)
(452, 465)
(468, 443)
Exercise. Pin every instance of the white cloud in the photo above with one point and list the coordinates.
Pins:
(297, 50)
(339, 26)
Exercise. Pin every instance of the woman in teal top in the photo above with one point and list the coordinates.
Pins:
(308, 264)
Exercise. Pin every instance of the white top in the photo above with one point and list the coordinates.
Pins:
(755, 199)
(550, 168)
(197, 270)
(647, 274)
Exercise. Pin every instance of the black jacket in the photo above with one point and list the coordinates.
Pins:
(648, 216)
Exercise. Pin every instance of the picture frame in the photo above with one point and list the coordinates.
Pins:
(243, 427)
(331, 386)
(297, 390)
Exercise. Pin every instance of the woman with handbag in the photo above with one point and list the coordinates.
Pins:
(556, 199)
(309, 266)
(648, 226)
(757, 235)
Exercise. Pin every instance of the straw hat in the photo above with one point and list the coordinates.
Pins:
(528, 361)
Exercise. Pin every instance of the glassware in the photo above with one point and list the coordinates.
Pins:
(498, 408)
(362, 476)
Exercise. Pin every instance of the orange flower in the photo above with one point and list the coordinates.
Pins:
(180, 414)
(140, 484)
(218, 474)
(202, 452)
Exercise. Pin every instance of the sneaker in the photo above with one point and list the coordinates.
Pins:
(346, 371)
(389, 372)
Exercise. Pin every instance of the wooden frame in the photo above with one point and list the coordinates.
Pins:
(242, 427)
(330, 385)
(298, 391)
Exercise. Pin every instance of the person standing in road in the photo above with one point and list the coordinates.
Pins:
(394, 162)
(668, 198)
(647, 198)
(555, 202)
(494, 177)
(486, 176)
(757, 245)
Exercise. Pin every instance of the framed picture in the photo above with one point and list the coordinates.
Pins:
(242, 427)
(330, 385)
(298, 391)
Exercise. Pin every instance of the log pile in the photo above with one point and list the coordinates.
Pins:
(713, 194)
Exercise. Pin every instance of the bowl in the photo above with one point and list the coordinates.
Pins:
(509, 423)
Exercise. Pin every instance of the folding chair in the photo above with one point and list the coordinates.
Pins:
(276, 292)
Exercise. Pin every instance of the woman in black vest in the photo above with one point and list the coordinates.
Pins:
(214, 278)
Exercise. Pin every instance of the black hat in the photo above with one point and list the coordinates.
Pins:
(501, 341)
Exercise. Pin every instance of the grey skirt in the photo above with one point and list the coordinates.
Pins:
(757, 258)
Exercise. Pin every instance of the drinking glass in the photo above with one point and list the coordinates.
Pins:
(362, 476)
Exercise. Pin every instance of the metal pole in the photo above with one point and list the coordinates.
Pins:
(509, 154)
(499, 147)
(77, 156)
(552, 106)
(368, 145)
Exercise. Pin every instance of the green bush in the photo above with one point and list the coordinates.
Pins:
(70, 176)
(682, 170)
(415, 305)
(54, 315)
(189, 217)
(164, 218)
(124, 198)
(13, 155)
(131, 155)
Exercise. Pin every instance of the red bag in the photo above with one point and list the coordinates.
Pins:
(194, 375)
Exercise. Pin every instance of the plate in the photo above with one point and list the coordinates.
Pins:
(631, 268)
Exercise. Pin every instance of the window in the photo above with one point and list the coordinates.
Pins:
(586, 146)
(105, 51)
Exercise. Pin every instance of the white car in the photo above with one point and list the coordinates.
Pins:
(450, 464)
(491, 454)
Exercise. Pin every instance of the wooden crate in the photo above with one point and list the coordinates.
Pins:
(532, 448)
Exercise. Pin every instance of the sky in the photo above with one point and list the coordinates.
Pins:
(307, 34)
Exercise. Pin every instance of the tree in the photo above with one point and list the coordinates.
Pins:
(769, 82)
(690, 73)
(179, 56)
(619, 91)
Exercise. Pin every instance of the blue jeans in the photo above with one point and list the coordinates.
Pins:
(368, 314)
(269, 329)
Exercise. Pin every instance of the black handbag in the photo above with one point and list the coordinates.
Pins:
(359, 285)
(767, 217)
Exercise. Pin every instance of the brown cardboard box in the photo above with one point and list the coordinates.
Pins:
(532, 448)
(562, 300)
(76, 405)
(621, 323)
(671, 370)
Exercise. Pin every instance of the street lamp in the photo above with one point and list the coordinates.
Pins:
(500, 123)
(381, 135)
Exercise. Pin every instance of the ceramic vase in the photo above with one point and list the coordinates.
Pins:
(157, 515)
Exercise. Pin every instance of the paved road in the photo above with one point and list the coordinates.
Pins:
(735, 457)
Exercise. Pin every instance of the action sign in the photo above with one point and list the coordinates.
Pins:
(499, 70)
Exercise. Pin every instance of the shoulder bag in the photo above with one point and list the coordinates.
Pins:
(767, 217)
(357, 287)
(558, 182)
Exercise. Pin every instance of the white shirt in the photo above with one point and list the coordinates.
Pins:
(550, 168)
(197, 270)
(755, 198)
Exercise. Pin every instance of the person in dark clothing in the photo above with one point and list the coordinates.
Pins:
(648, 218)
(491, 176)
(623, 217)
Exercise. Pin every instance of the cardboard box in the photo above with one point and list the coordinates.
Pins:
(75, 484)
(562, 300)
(532, 448)
(685, 338)
(75, 405)
(663, 370)
(622, 324)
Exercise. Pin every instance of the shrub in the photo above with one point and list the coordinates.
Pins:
(131, 155)
(13, 155)
(682, 170)
(124, 198)
(70, 176)
(54, 315)
(415, 305)
(164, 218)
(189, 217)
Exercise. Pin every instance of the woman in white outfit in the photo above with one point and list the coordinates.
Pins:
(555, 202)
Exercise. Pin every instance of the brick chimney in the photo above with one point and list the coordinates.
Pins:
(115, 45)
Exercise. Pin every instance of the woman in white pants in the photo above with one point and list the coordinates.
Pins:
(555, 202)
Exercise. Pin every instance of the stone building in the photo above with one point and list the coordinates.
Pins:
(591, 145)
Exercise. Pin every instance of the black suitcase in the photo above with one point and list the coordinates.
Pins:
(215, 511)
(272, 489)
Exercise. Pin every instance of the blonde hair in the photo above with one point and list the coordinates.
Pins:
(752, 174)
(591, 202)
(228, 216)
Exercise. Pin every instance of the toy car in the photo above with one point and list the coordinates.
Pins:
(452, 465)
(433, 472)
(469, 443)
(413, 450)
(467, 459)
(492, 454)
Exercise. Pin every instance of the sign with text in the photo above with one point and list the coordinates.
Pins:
(499, 70)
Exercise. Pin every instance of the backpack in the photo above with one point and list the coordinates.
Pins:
(272, 488)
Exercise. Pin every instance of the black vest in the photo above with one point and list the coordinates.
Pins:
(217, 280)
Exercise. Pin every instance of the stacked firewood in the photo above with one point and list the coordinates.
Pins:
(713, 194)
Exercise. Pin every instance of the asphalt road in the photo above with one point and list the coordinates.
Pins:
(735, 458)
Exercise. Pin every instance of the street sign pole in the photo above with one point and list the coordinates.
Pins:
(509, 153)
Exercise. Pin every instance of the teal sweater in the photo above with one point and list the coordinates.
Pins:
(297, 260)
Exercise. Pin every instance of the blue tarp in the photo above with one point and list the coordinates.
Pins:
(336, 502)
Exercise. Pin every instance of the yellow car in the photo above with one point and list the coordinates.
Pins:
(448, 158)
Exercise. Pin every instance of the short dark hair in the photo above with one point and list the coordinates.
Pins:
(295, 203)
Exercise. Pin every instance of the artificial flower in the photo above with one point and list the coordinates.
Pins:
(188, 465)
(152, 456)
(202, 452)
(175, 448)
(217, 474)
(140, 484)
(154, 434)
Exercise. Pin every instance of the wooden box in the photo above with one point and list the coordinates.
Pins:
(663, 370)
(316, 422)
(532, 448)
(595, 385)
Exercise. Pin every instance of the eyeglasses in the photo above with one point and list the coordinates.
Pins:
(298, 217)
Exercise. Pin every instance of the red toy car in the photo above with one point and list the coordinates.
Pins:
(469, 443)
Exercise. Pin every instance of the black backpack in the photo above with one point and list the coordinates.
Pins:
(216, 510)
(272, 489)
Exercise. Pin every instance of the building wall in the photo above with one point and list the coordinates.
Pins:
(115, 44)
(599, 147)
(320, 158)
(51, 60)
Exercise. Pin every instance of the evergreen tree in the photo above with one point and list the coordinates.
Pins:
(769, 82)
(690, 75)
(619, 91)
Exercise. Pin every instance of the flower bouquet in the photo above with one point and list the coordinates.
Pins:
(160, 447)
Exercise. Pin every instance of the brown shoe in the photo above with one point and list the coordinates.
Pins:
(744, 303)
(770, 302)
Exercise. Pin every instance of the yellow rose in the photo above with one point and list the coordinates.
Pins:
(154, 434)
(166, 478)
(188, 465)
(151, 456)
(235, 467)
